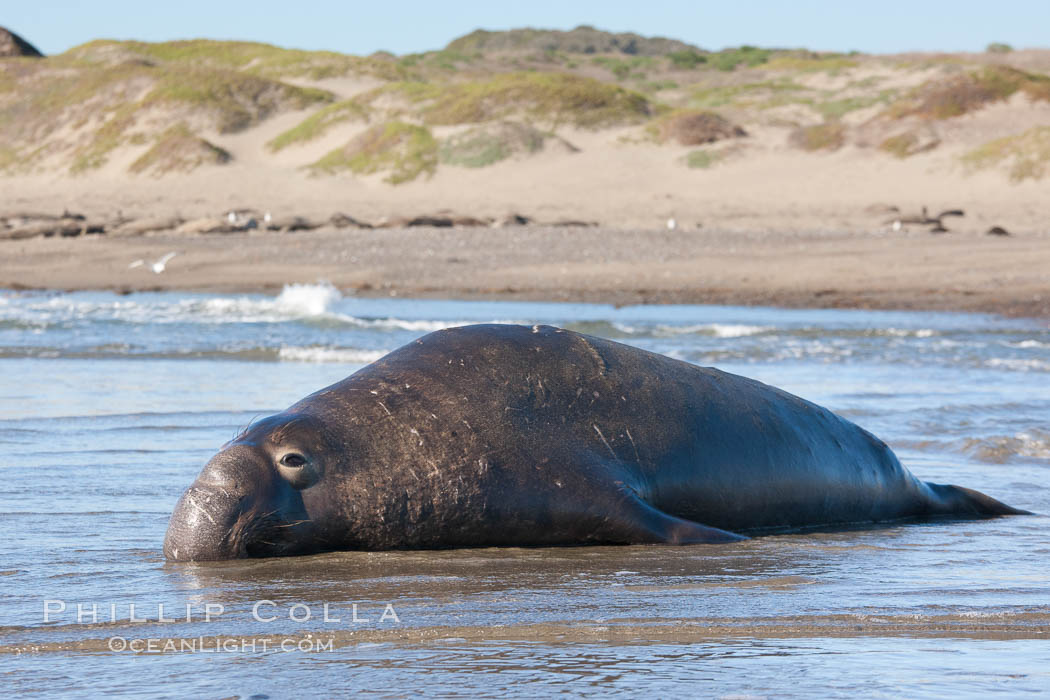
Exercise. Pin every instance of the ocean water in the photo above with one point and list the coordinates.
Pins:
(110, 405)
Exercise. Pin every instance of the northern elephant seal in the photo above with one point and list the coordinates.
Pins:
(510, 435)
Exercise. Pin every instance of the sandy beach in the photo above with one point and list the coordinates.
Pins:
(875, 270)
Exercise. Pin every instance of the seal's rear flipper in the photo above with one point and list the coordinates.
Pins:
(961, 501)
(640, 523)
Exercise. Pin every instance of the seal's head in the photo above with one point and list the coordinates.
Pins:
(248, 499)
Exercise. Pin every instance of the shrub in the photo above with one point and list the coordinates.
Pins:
(829, 136)
(701, 159)
(687, 60)
(908, 144)
(693, 127)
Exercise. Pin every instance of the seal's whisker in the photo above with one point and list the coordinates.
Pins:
(293, 524)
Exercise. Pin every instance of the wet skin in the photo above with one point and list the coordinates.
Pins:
(493, 435)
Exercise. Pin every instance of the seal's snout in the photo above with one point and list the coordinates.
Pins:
(241, 505)
(208, 521)
(203, 525)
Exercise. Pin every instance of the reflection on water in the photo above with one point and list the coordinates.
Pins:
(109, 406)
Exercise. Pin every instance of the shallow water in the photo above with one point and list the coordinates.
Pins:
(109, 406)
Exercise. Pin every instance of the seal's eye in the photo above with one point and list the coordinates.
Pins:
(298, 471)
(293, 460)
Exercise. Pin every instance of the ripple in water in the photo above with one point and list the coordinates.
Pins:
(109, 407)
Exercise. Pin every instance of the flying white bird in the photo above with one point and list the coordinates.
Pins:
(672, 224)
(158, 267)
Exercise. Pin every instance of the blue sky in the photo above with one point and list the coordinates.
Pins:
(877, 26)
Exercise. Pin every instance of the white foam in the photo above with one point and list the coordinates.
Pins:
(1028, 344)
(1034, 445)
(326, 354)
(718, 330)
(730, 330)
(406, 325)
(307, 299)
(907, 332)
(625, 328)
(1018, 364)
(315, 302)
(294, 302)
(415, 325)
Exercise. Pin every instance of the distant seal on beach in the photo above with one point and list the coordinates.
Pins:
(494, 435)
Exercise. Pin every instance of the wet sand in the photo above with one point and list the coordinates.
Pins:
(871, 270)
(1022, 625)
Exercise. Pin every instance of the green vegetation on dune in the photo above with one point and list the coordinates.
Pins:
(805, 62)
(320, 122)
(481, 39)
(657, 85)
(960, 94)
(742, 93)
(45, 100)
(404, 150)
(687, 60)
(105, 139)
(8, 157)
(236, 100)
(746, 56)
(581, 40)
(624, 68)
(178, 149)
(552, 98)
(490, 144)
(45, 96)
(446, 60)
(702, 159)
(507, 91)
(104, 102)
(1027, 154)
(837, 108)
